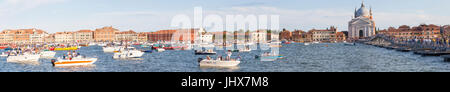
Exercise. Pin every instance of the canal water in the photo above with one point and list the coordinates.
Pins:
(333, 57)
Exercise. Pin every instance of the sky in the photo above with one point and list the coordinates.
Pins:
(152, 15)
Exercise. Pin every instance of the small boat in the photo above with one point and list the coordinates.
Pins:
(48, 54)
(147, 51)
(207, 52)
(23, 58)
(160, 50)
(77, 61)
(306, 44)
(349, 44)
(92, 44)
(128, 54)
(245, 50)
(66, 48)
(111, 49)
(219, 63)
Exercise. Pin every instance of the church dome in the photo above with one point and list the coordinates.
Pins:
(362, 12)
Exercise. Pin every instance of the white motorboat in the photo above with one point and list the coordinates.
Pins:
(92, 44)
(24, 58)
(111, 49)
(48, 54)
(128, 54)
(219, 63)
(77, 61)
(306, 44)
(245, 50)
(160, 50)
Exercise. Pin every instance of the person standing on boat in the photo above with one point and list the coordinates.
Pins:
(229, 55)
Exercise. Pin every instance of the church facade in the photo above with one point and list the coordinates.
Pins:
(362, 24)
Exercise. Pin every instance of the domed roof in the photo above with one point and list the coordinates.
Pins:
(362, 12)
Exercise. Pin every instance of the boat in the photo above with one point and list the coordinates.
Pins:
(66, 48)
(269, 57)
(306, 44)
(160, 50)
(77, 61)
(23, 58)
(128, 54)
(92, 44)
(3, 47)
(245, 50)
(4, 54)
(147, 51)
(111, 49)
(219, 63)
(48, 54)
(207, 52)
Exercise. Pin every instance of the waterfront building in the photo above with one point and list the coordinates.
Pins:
(6, 37)
(286, 35)
(83, 36)
(362, 25)
(178, 35)
(105, 34)
(50, 38)
(327, 35)
(206, 38)
(259, 36)
(64, 37)
(23, 36)
(301, 36)
(405, 32)
(126, 36)
(143, 36)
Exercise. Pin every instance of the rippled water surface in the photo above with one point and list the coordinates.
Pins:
(299, 58)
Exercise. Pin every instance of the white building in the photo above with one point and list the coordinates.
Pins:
(64, 37)
(259, 36)
(362, 25)
(206, 38)
(38, 36)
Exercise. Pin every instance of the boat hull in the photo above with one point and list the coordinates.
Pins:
(75, 62)
(216, 63)
(23, 58)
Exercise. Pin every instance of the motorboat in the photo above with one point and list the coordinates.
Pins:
(306, 44)
(160, 49)
(245, 50)
(48, 54)
(77, 61)
(219, 63)
(23, 58)
(205, 52)
(128, 54)
(112, 48)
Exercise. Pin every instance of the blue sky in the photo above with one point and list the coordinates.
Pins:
(153, 15)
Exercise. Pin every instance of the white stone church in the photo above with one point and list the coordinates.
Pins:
(362, 25)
